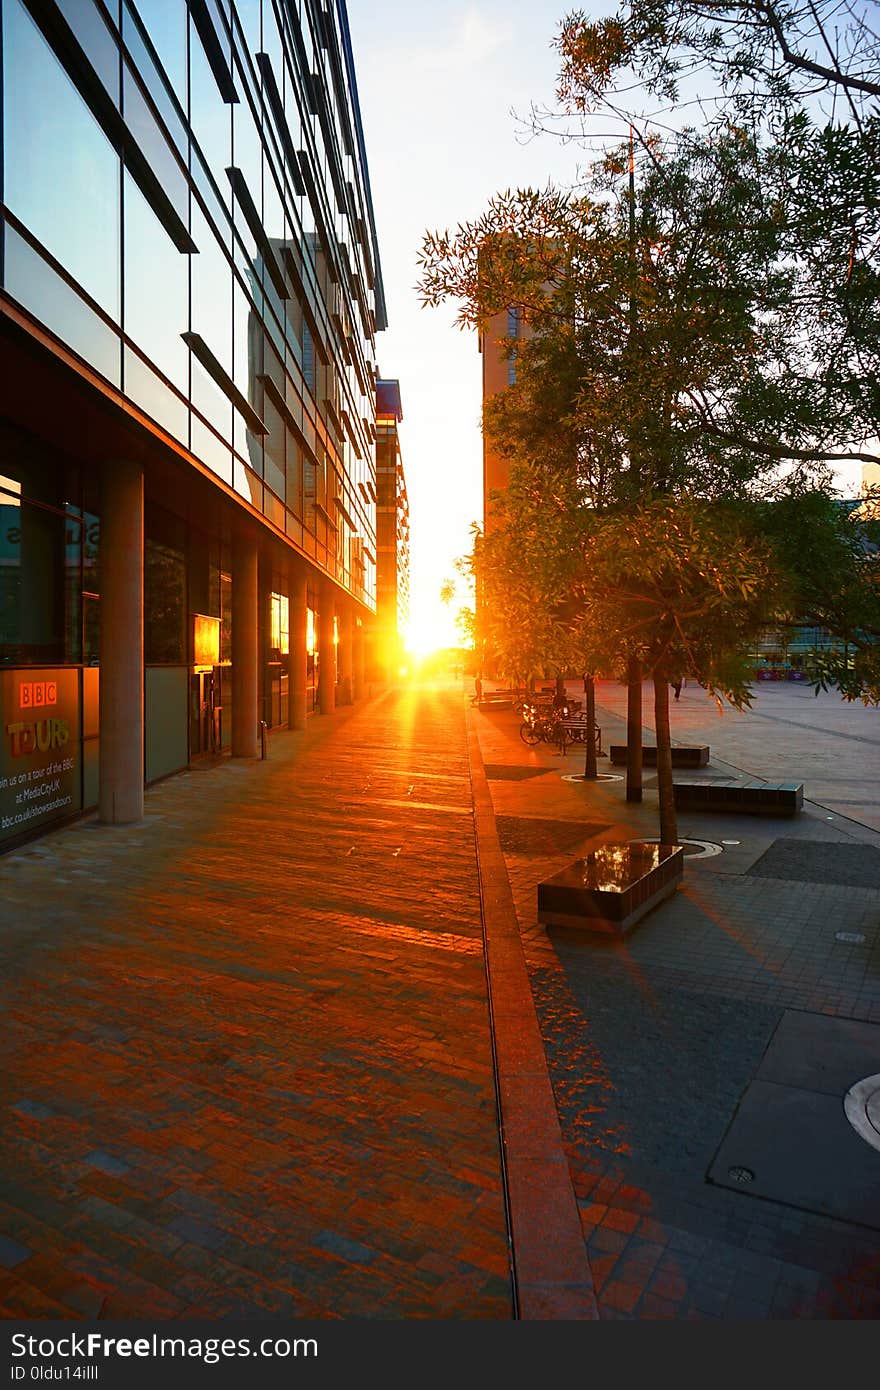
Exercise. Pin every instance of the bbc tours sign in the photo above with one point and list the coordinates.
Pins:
(40, 777)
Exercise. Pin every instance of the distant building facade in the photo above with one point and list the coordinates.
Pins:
(191, 291)
(499, 372)
(392, 530)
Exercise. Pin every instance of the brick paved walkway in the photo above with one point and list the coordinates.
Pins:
(246, 1066)
(246, 1062)
(652, 1042)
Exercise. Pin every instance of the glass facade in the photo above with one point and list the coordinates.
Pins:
(221, 272)
(186, 229)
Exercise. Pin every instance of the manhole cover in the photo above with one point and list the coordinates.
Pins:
(737, 1174)
(862, 1107)
(693, 849)
(853, 938)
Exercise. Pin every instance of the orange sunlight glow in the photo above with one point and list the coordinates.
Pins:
(431, 628)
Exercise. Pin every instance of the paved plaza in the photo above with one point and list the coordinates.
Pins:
(296, 1045)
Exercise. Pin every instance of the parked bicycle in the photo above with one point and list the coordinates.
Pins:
(544, 724)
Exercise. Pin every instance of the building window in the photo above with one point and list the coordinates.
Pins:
(41, 556)
(53, 151)
(512, 332)
(280, 625)
(164, 604)
(156, 289)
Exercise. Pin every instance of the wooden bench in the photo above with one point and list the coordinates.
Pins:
(612, 888)
(686, 755)
(755, 798)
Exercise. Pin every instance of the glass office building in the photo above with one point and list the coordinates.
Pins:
(191, 292)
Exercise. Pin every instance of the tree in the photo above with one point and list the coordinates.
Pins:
(644, 305)
(524, 568)
(757, 51)
(830, 554)
(694, 332)
(683, 586)
(800, 82)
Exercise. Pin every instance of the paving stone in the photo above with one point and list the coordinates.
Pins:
(652, 1045)
(303, 1078)
(248, 1024)
(11, 1253)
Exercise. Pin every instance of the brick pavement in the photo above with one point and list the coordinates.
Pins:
(247, 1068)
(652, 1042)
(246, 1062)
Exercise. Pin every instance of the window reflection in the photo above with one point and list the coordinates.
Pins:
(248, 340)
(151, 140)
(156, 289)
(165, 22)
(164, 602)
(53, 150)
(210, 118)
(92, 33)
(41, 558)
(30, 280)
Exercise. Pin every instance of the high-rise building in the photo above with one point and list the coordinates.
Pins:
(499, 372)
(191, 291)
(392, 530)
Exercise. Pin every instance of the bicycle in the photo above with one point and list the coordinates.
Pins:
(554, 726)
(536, 724)
(577, 732)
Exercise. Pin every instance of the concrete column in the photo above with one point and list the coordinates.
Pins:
(345, 653)
(358, 662)
(326, 653)
(245, 647)
(121, 780)
(298, 664)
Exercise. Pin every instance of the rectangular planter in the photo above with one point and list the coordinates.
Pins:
(612, 888)
(754, 798)
(686, 755)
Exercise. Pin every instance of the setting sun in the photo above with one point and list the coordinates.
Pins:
(431, 627)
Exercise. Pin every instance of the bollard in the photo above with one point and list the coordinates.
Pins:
(264, 739)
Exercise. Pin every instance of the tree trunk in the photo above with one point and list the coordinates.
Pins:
(668, 825)
(590, 718)
(633, 730)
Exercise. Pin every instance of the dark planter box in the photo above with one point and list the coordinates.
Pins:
(755, 798)
(612, 888)
(684, 756)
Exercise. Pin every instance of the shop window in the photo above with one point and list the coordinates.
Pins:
(164, 604)
(40, 584)
(280, 625)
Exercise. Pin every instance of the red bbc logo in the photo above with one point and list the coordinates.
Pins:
(37, 694)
